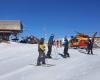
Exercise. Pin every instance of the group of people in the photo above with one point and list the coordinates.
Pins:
(58, 43)
(41, 49)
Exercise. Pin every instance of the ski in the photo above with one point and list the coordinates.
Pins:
(43, 65)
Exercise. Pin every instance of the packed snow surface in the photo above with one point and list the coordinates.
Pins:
(17, 62)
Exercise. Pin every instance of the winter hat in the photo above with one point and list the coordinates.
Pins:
(42, 40)
(52, 35)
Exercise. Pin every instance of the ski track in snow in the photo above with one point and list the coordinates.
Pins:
(15, 60)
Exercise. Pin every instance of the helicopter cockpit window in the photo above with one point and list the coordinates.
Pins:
(76, 40)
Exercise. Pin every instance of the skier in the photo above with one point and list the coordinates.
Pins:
(41, 50)
(90, 46)
(57, 43)
(66, 43)
(60, 43)
(50, 44)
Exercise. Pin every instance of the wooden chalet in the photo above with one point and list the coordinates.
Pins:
(8, 28)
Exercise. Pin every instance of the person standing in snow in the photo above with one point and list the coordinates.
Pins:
(60, 43)
(66, 45)
(90, 46)
(41, 50)
(57, 43)
(50, 44)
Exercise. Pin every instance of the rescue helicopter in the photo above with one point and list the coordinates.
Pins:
(80, 40)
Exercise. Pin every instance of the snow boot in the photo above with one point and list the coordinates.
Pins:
(48, 56)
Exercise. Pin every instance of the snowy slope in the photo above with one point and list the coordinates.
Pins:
(97, 43)
(16, 60)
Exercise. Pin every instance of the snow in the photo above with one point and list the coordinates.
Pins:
(17, 63)
(97, 43)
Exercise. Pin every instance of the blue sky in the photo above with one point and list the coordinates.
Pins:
(60, 17)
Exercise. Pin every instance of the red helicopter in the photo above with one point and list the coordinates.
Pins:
(80, 40)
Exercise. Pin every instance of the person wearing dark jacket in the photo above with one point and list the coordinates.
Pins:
(50, 44)
(41, 50)
(90, 46)
(66, 45)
